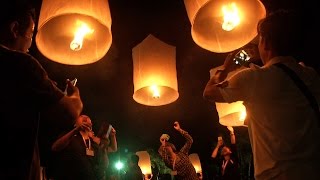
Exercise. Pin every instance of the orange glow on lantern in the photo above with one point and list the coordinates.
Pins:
(224, 25)
(74, 32)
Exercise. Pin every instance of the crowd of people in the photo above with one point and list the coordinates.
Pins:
(281, 97)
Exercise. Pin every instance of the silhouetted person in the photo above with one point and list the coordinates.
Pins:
(134, 171)
(26, 93)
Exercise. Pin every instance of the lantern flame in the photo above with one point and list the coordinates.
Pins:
(230, 17)
(155, 91)
(81, 31)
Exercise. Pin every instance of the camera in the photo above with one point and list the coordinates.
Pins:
(241, 58)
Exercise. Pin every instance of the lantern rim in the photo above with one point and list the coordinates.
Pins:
(232, 119)
(54, 44)
(144, 96)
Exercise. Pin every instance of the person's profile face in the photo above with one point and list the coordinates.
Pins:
(25, 39)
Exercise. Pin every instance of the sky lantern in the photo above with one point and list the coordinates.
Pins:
(74, 32)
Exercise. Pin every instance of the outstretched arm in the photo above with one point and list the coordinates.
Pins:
(64, 141)
(113, 141)
(189, 140)
(232, 136)
(211, 91)
(216, 149)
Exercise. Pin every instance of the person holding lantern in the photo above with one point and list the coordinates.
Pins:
(229, 164)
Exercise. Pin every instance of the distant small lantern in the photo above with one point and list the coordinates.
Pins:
(224, 25)
(230, 114)
(154, 72)
(145, 163)
(195, 160)
(74, 32)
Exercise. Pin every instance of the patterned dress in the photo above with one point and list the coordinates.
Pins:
(181, 164)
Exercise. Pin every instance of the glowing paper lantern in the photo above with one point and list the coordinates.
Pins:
(230, 114)
(154, 72)
(74, 32)
(195, 160)
(224, 25)
(144, 163)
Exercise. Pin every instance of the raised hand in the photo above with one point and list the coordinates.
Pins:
(176, 125)
(230, 128)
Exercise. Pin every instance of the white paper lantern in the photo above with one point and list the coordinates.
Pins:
(224, 25)
(154, 72)
(74, 32)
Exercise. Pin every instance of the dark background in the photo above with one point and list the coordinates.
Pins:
(106, 86)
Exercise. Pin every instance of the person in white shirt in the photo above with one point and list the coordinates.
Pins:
(283, 125)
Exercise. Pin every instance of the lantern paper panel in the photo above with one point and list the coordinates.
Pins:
(224, 25)
(74, 32)
(154, 72)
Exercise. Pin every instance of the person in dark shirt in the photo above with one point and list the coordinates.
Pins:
(134, 171)
(229, 164)
(26, 93)
(76, 152)
(178, 161)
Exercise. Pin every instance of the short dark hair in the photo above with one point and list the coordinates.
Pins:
(134, 158)
(103, 129)
(284, 30)
(15, 10)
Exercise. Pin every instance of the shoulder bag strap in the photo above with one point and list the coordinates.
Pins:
(304, 89)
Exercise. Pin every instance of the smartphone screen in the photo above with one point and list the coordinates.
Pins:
(241, 57)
